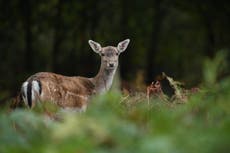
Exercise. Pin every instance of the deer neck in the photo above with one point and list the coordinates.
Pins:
(103, 80)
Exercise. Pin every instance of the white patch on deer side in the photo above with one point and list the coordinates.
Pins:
(35, 90)
(24, 90)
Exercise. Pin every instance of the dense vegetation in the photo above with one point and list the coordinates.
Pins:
(118, 123)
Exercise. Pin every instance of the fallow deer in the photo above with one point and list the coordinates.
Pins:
(73, 92)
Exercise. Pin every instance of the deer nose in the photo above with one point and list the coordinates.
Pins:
(111, 64)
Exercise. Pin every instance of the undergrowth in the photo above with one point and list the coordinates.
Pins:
(116, 123)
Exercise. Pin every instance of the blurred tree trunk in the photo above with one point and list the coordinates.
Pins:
(124, 19)
(123, 69)
(81, 59)
(210, 36)
(125, 64)
(93, 14)
(210, 42)
(158, 16)
(27, 7)
(58, 37)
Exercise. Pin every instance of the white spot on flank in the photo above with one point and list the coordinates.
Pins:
(85, 97)
(48, 87)
(74, 109)
(83, 108)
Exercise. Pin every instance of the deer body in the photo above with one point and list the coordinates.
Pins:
(73, 92)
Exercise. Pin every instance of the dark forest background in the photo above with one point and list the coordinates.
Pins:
(171, 36)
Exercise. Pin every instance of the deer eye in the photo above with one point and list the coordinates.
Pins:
(102, 54)
(117, 54)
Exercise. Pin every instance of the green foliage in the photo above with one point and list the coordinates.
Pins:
(22, 131)
(113, 123)
(214, 68)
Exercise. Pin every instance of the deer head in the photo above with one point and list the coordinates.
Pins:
(109, 55)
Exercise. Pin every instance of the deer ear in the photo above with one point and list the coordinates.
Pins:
(95, 46)
(123, 45)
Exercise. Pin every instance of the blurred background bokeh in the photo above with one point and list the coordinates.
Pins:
(171, 36)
